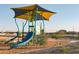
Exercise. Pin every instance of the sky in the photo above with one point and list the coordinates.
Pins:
(66, 17)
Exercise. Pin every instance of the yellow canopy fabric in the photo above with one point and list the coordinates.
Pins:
(28, 8)
(22, 12)
(46, 15)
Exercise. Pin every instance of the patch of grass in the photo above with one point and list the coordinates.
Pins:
(57, 36)
(2, 41)
(75, 47)
(77, 38)
(64, 50)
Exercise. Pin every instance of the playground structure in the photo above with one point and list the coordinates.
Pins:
(31, 14)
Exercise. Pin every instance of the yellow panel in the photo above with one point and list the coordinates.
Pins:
(46, 15)
(22, 17)
(25, 17)
(27, 7)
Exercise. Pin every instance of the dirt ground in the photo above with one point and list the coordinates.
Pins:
(4, 49)
(3, 38)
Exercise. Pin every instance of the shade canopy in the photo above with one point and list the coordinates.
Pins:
(23, 12)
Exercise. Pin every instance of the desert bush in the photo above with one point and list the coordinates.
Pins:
(41, 41)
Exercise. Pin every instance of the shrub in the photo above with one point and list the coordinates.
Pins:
(41, 41)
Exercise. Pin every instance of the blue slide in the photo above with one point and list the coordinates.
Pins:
(24, 41)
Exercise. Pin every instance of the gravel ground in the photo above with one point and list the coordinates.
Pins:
(53, 47)
(69, 49)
